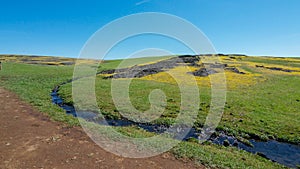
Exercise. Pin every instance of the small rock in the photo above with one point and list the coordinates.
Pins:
(7, 144)
(235, 143)
(90, 155)
(166, 156)
(234, 69)
(98, 161)
(203, 72)
(226, 143)
(55, 138)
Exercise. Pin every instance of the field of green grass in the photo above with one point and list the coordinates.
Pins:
(262, 103)
(267, 108)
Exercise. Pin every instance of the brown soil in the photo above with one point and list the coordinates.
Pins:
(30, 140)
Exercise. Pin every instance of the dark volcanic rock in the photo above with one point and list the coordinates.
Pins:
(144, 70)
(259, 66)
(111, 71)
(235, 143)
(275, 68)
(67, 63)
(203, 72)
(234, 69)
(280, 69)
(189, 58)
(226, 143)
(218, 65)
(135, 73)
(195, 65)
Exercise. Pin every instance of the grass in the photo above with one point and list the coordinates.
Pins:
(212, 156)
(221, 157)
(291, 62)
(33, 83)
(270, 109)
(262, 103)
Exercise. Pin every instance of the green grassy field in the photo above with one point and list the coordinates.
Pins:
(266, 106)
(263, 103)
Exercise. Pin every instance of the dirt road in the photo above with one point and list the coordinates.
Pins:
(30, 140)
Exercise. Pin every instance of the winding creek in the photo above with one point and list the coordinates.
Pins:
(283, 153)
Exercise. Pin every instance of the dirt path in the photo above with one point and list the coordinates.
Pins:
(30, 140)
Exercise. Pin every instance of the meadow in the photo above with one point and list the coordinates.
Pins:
(262, 103)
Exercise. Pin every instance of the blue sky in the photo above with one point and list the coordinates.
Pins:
(61, 28)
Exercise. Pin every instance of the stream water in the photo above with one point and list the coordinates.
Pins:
(283, 153)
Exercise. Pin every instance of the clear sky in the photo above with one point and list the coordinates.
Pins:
(61, 27)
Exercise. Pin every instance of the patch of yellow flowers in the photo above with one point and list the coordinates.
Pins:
(180, 75)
